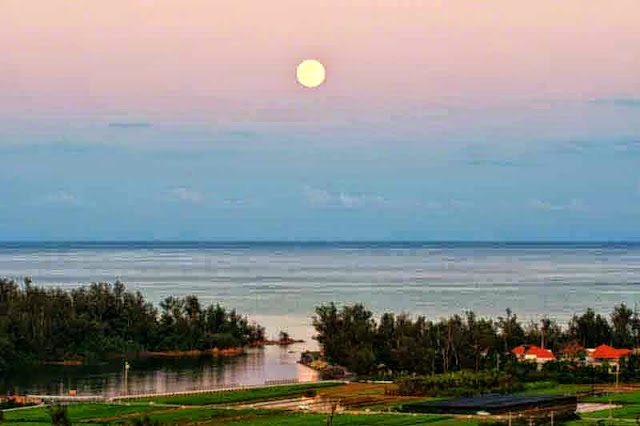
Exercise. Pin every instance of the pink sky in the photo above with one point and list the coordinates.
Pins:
(146, 56)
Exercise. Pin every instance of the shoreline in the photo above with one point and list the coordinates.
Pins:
(194, 353)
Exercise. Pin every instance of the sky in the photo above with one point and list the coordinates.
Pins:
(439, 120)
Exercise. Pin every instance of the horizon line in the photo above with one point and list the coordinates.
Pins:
(319, 241)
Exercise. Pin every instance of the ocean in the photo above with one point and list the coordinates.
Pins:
(280, 284)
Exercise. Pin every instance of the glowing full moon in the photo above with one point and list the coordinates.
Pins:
(310, 73)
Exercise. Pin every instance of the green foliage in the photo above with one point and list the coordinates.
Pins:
(96, 414)
(400, 344)
(77, 412)
(539, 420)
(589, 329)
(50, 324)
(59, 416)
(145, 421)
(461, 383)
(347, 336)
(350, 337)
(14, 404)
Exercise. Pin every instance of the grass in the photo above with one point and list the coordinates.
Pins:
(627, 412)
(77, 412)
(630, 410)
(617, 398)
(316, 419)
(100, 414)
(192, 411)
(551, 388)
(257, 394)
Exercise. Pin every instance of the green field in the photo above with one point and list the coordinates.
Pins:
(77, 413)
(257, 394)
(100, 414)
(630, 410)
(193, 410)
(626, 412)
(550, 388)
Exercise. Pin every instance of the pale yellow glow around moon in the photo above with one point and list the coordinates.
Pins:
(311, 73)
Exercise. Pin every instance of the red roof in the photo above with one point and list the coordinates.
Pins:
(535, 351)
(541, 353)
(519, 350)
(606, 351)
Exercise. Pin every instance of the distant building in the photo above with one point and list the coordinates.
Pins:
(574, 352)
(533, 353)
(607, 355)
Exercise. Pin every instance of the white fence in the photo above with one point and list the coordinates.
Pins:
(203, 390)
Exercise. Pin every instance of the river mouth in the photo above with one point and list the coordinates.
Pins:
(162, 374)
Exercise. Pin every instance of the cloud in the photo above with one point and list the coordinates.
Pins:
(483, 155)
(623, 102)
(575, 204)
(321, 198)
(496, 163)
(64, 198)
(129, 124)
(234, 202)
(573, 147)
(184, 194)
(240, 134)
(446, 205)
(628, 146)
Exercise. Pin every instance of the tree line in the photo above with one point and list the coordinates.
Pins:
(402, 344)
(52, 324)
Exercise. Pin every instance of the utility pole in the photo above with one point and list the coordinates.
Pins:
(126, 378)
(610, 409)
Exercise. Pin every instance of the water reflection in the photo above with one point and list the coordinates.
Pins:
(157, 375)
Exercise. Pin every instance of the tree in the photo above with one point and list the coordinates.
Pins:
(59, 415)
(589, 329)
(283, 337)
(622, 321)
(346, 336)
(511, 331)
(51, 324)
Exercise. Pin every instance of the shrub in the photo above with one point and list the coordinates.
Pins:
(59, 416)
(461, 383)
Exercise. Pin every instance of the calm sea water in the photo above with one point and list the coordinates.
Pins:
(279, 284)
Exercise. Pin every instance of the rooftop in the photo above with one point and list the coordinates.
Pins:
(608, 352)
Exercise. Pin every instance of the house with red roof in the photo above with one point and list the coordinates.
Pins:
(605, 354)
(533, 353)
(574, 352)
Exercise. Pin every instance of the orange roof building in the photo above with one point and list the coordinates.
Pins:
(607, 355)
(574, 350)
(541, 353)
(519, 350)
(533, 353)
(608, 352)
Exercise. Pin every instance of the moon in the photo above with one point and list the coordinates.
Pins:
(311, 73)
